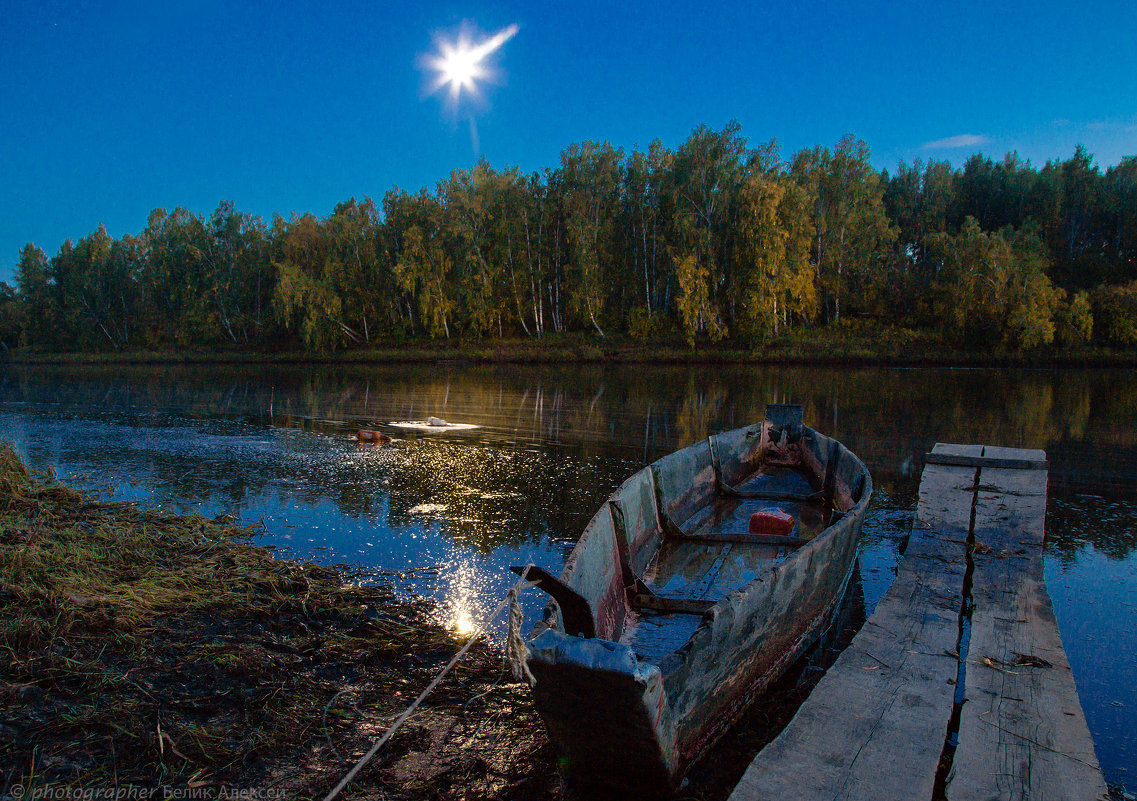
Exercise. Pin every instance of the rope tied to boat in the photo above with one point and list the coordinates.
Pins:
(511, 599)
(516, 650)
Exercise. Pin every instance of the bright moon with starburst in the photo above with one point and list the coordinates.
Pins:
(460, 65)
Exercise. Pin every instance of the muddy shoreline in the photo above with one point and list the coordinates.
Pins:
(162, 651)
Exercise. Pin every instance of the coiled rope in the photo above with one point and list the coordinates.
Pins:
(522, 655)
(516, 651)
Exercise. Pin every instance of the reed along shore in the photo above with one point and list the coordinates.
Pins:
(153, 650)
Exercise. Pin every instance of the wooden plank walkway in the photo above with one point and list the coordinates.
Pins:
(957, 687)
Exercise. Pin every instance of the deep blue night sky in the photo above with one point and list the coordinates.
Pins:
(113, 109)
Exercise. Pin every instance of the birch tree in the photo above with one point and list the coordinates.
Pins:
(852, 229)
(590, 184)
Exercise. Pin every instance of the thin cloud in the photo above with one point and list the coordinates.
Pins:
(963, 140)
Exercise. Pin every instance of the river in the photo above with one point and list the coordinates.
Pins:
(274, 447)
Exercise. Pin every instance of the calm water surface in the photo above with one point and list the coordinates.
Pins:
(274, 446)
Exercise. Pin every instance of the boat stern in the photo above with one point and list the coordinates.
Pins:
(606, 713)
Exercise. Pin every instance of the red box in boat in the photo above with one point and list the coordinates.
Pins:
(772, 521)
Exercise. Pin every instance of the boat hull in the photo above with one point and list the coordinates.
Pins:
(622, 720)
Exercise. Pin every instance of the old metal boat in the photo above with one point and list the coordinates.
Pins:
(686, 596)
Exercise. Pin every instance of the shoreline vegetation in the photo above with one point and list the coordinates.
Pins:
(849, 343)
(144, 649)
(719, 246)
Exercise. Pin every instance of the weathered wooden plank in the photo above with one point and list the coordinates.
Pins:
(880, 734)
(986, 461)
(874, 727)
(734, 492)
(951, 449)
(1022, 732)
(745, 537)
(997, 452)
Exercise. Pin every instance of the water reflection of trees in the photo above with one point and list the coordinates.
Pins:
(1072, 523)
(584, 416)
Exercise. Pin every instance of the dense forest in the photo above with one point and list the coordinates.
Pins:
(716, 240)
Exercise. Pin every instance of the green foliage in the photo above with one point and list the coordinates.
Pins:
(305, 301)
(715, 239)
(39, 305)
(692, 302)
(11, 318)
(1074, 322)
(237, 274)
(307, 306)
(1030, 317)
(646, 326)
(1033, 300)
(708, 172)
(779, 281)
(853, 231)
(992, 288)
(97, 281)
(589, 184)
(426, 267)
(1115, 315)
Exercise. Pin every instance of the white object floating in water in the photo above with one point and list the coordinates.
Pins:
(437, 425)
(427, 508)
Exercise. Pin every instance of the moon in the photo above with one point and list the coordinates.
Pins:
(460, 64)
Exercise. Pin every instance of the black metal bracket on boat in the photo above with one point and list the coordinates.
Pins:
(576, 613)
(785, 418)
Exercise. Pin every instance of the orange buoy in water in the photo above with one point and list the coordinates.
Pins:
(376, 437)
(772, 521)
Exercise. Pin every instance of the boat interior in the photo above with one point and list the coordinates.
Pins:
(714, 553)
(680, 534)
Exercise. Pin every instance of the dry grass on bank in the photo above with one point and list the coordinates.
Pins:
(141, 648)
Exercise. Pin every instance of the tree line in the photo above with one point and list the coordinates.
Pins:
(714, 240)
